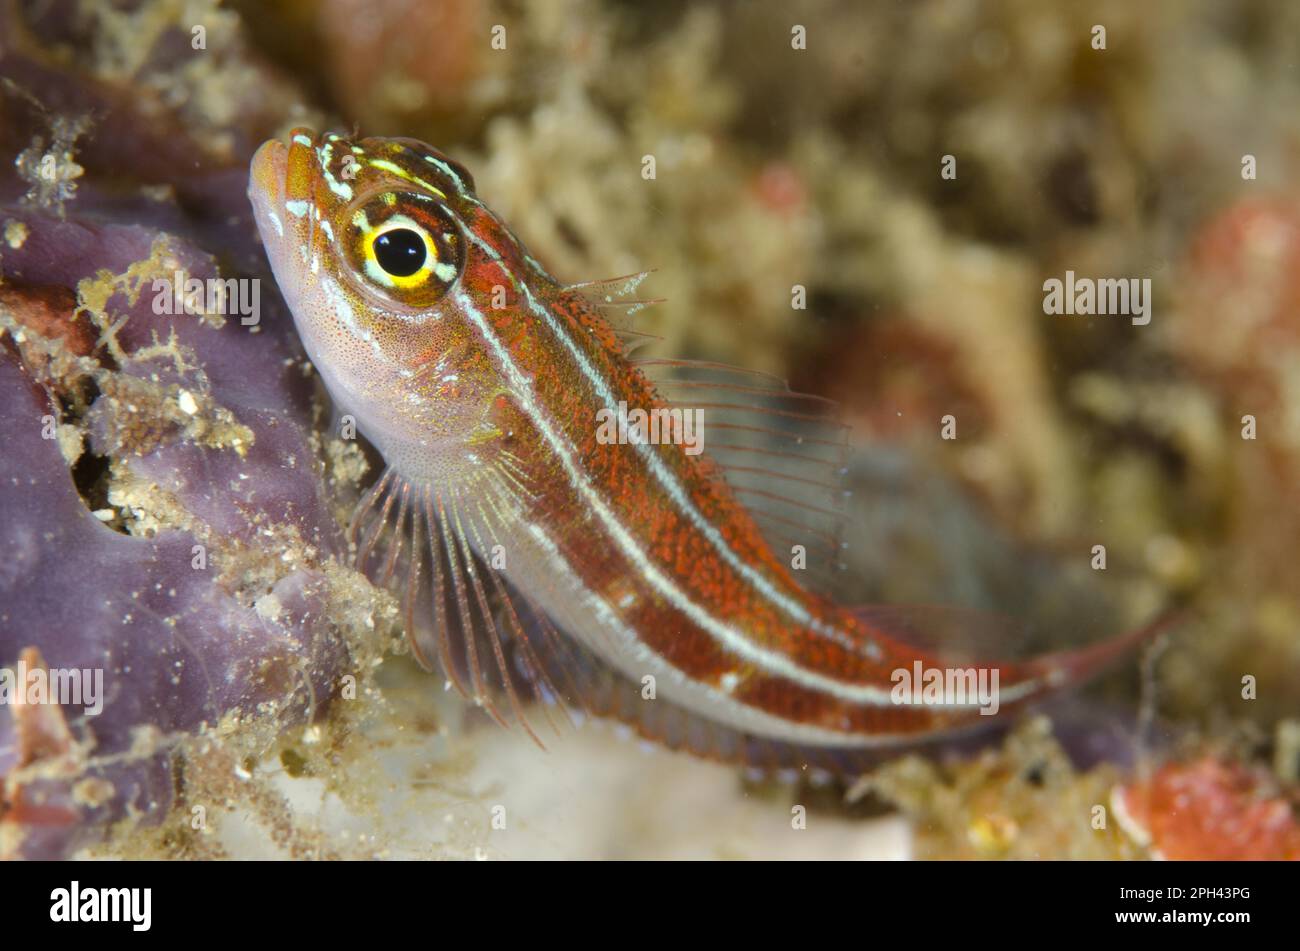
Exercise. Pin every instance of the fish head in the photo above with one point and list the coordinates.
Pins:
(387, 261)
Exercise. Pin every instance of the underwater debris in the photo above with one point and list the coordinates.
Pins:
(50, 170)
(1024, 800)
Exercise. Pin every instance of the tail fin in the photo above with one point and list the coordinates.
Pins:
(960, 637)
(1065, 668)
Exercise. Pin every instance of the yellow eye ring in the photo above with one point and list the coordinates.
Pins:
(405, 248)
(399, 254)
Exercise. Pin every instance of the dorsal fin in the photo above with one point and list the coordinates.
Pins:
(611, 289)
(784, 454)
(614, 294)
(634, 340)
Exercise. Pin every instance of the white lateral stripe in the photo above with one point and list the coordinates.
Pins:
(792, 608)
(702, 699)
(732, 640)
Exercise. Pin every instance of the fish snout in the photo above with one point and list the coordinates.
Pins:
(266, 172)
(285, 171)
(281, 189)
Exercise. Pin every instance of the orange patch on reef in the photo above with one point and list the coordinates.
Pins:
(1208, 810)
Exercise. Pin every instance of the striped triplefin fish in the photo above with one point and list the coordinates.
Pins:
(544, 546)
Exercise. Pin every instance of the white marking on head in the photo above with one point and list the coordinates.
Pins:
(337, 187)
(403, 173)
(446, 170)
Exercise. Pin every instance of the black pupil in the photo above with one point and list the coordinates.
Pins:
(400, 252)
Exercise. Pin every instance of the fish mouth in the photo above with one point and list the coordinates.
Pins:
(283, 171)
(282, 179)
(282, 188)
(267, 171)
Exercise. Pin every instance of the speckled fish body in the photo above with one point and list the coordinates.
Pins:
(525, 548)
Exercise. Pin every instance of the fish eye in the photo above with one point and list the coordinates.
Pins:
(405, 248)
(401, 252)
